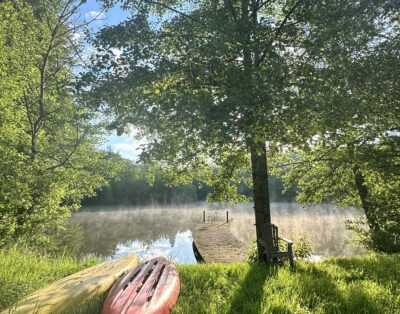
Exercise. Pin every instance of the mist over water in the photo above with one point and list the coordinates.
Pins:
(148, 232)
(323, 225)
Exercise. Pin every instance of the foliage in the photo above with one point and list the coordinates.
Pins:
(208, 83)
(252, 255)
(349, 153)
(203, 82)
(48, 155)
(131, 187)
(302, 247)
(386, 239)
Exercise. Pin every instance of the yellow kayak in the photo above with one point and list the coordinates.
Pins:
(75, 289)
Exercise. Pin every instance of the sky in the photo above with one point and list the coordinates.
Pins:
(92, 8)
(126, 144)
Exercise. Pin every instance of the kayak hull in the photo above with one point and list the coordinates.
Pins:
(151, 288)
(75, 289)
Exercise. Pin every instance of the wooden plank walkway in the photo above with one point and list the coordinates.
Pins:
(217, 244)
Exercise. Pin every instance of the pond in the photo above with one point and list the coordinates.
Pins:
(115, 231)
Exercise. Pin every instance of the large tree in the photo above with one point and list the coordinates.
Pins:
(48, 155)
(211, 82)
(350, 151)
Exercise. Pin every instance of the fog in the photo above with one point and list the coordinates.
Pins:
(149, 231)
(323, 225)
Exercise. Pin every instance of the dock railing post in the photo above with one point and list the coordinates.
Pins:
(204, 216)
(227, 216)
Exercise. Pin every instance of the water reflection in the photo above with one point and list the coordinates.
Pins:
(148, 232)
(178, 252)
(113, 232)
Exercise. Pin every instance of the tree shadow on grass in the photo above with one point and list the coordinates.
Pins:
(316, 288)
(352, 286)
(320, 291)
(311, 288)
(249, 297)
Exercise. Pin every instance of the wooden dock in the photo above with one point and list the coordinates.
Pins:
(217, 244)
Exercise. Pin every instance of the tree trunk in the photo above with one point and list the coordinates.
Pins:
(247, 30)
(261, 193)
(364, 197)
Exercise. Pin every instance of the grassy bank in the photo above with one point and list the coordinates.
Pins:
(368, 284)
(22, 272)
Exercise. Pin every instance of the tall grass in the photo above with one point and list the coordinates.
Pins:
(22, 272)
(369, 284)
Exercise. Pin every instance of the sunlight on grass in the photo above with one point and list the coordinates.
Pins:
(363, 284)
(339, 285)
(22, 272)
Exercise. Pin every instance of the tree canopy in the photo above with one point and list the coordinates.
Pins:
(211, 82)
(49, 158)
(352, 154)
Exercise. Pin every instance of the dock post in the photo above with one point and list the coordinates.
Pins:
(227, 216)
(204, 216)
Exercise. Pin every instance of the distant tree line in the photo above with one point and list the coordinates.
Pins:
(132, 188)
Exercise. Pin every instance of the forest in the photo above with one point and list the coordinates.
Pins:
(131, 187)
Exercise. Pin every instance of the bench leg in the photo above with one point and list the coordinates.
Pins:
(291, 259)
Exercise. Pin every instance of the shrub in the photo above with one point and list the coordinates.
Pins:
(302, 247)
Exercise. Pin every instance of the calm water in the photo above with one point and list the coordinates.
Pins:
(149, 232)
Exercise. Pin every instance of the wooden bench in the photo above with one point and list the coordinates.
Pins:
(273, 253)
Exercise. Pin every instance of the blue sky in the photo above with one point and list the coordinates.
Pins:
(125, 144)
(92, 8)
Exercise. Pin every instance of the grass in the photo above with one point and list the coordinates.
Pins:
(368, 284)
(22, 272)
(364, 284)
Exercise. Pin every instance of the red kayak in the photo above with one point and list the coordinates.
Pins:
(150, 288)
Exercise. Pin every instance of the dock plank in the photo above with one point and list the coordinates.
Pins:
(217, 244)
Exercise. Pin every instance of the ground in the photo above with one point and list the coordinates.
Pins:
(360, 284)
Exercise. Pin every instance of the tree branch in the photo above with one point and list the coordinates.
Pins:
(70, 154)
(278, 30)
(165, 6)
